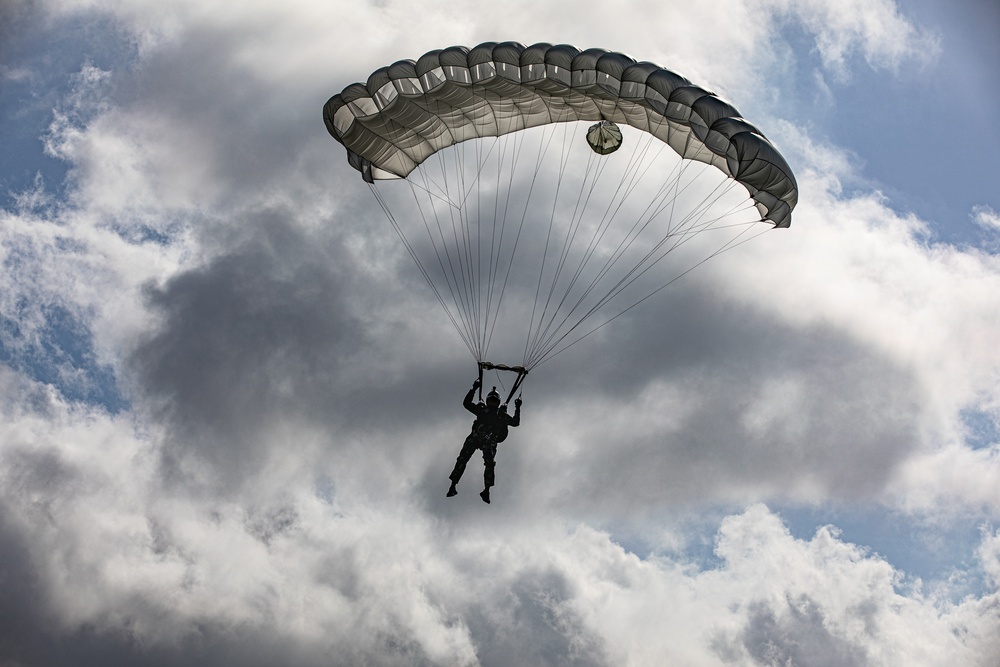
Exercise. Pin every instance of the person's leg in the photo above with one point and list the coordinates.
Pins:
(468, 448)
(489, 473)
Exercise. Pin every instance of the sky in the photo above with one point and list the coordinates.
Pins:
(230, 404)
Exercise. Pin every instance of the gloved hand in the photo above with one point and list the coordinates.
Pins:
(477, 384)
(517, 402)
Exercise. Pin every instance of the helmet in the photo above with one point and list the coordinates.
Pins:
(493, 396)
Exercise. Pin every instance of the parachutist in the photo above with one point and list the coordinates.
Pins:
(489, 429)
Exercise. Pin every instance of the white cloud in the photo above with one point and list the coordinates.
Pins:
(989, 555)
(853, 263)
(954, 479)
(986, 217)
(876, 29)
(14, 74)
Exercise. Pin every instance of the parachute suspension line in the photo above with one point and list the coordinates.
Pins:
(493, 266)
(515, 153)
(481, 161)
(474, 225)
(576, 219)
(729, 246)
(524, 212)
(687, 235)
(458, 232)
(477, 285)
(500, 380)
(440, 245)
(477, 221)
(460, 237)
(669, 192)
(468, 257)
(436, 193)
(470, 276)
(510, 147)
(633, 274)
(449, 273)
(626, 185)
(628, 182)
(471, 237)
(409, 248)
(496, 239)
(438, 190)
(546, 319)
(676, 227)
(588, 183)
(693, 223)
(486, 284)
(599, 232)
(683, 229)
(560, 173)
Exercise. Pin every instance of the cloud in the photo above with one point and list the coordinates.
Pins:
(127, 567)
(770, 422)
(989, 555)
(882, 35)
(258, 336)
(950, 480)
(986, 217)
(274, 492)
(861, 619)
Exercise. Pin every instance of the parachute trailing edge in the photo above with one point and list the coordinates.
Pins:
(409, 110)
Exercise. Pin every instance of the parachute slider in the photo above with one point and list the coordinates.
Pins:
(604, 137)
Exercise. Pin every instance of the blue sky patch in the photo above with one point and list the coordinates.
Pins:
(61, 354)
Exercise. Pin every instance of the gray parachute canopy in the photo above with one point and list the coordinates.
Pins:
(409, 110)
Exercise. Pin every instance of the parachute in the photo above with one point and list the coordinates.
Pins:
(540, 190)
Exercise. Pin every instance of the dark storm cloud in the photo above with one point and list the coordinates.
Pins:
(274, 332)
(259, 332)
(31, 635)
(22, 616)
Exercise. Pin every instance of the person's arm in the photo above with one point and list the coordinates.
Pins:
(516, 419)
(468, 403)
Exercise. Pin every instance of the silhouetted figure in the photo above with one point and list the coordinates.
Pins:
(489, 429)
